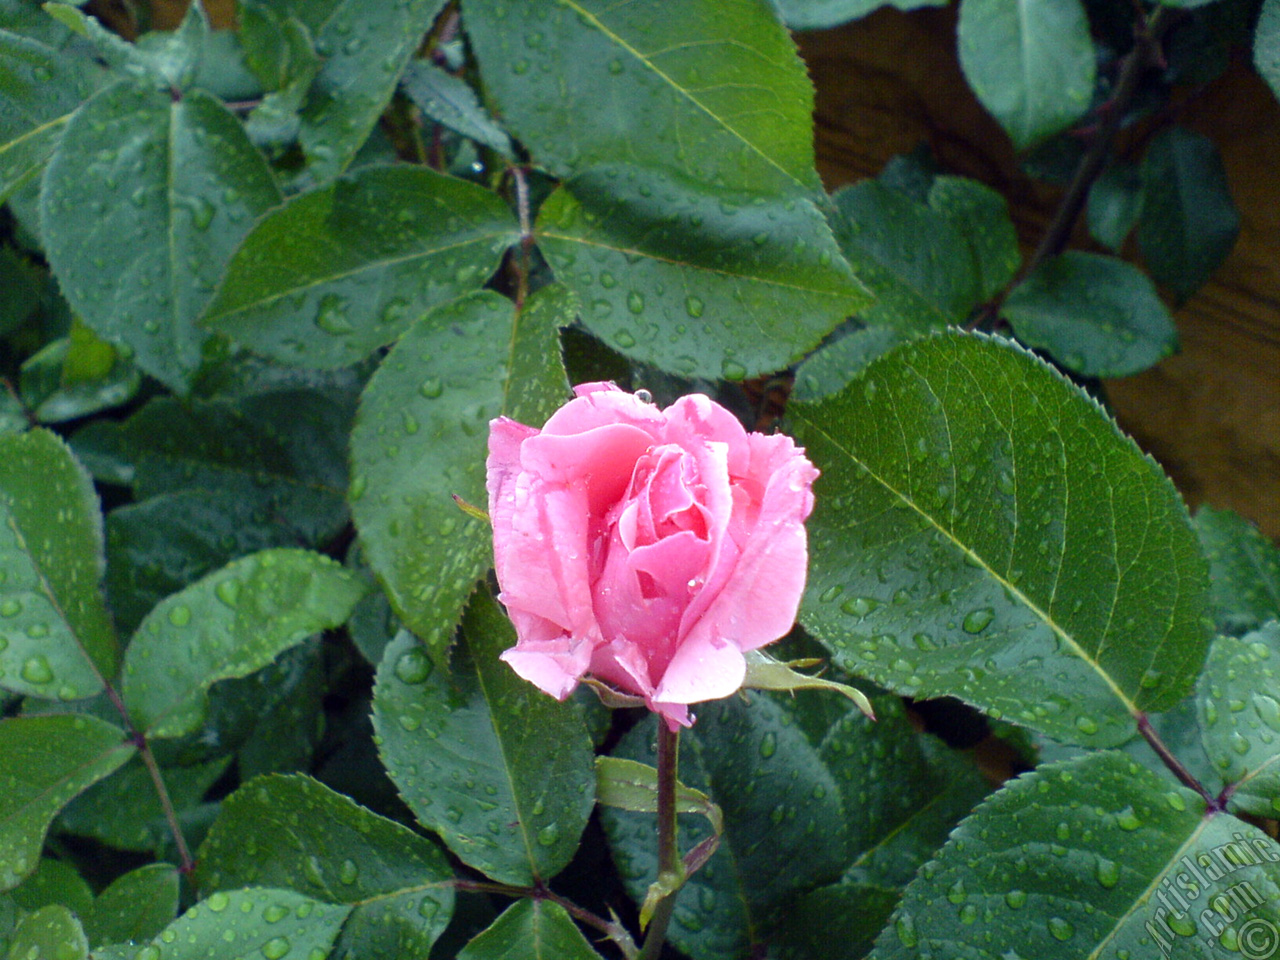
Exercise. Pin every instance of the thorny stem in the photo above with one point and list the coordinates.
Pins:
(669, 863)
(1173, 763)
(1145, 53)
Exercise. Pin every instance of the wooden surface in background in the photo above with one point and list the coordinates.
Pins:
(1210, 414)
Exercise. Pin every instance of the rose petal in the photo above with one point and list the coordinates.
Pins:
(702, 669)
(602, 404)
(602, 460)
(695, 420)
(553, 666)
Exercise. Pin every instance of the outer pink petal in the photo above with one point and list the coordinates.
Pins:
(702, 669)
(502, 466)
(599, 404)
(758, 603)
(553, 666)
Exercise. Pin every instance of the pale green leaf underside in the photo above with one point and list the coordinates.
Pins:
(1079, 859)
(1244, 567)
(983, 530)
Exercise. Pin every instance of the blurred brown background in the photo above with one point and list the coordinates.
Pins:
(1211, 414)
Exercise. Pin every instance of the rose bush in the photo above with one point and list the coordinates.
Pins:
(647, 547)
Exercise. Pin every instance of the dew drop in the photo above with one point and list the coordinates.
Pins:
(635, 301)
(179, 615)
(37, 670)
(549, 834)
(275, 948)
(1061, 929)
(905, 928)
(1108, 873)
(1015, 899)
(431, 388)
(978, 620)
(414, 666)
(228, 591)
(10, 607)
(768, 745)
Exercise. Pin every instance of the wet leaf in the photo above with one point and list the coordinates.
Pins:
(497, 768)
(1093, 857)
(141, 206)
(1098, 316)
(1115, 202)
(698, 281)
(1244, 569)
(451, 101)
(711, 91)
(983, 530)
(1189, 222)
(530, 930)
(823, 14)
(1240, 718)
(1030, 62)
(51, 931)
(229, 624)
(1266, 44)
(56, 638)
(44, 762)
(253, 924)
(337, 272)
(455, 370)
(297, 834)
(364, 45)
(135, 906)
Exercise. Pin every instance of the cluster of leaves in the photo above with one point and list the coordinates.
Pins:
(260, 294)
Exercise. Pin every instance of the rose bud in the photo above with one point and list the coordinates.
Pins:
(648, 548)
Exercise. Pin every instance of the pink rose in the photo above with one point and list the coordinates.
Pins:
(649, 548)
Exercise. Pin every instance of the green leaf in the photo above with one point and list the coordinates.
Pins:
(766, 673)
(1189, 222)
(1266, 44)
(1094, 857)
(460, 366)
(1097, 315)
(44, 762)
(1240, 718)
(229, 624)
(1115, 202)
(629, 785)
(22, 289)
(364, 46)
(135, 907)
(499, 769)
(1244, 570)
(981, 215)
(54, 881)
(983, 530)
(531, 930)
(251, 924)
(693, 279)
(297, 834)
(138, 261)
(830, 367)
(711, 91)
(161, 545)
(905, 252)
(342, 270)
(280, 453)
(791, 781)
(1178, 729)
(823, 14)
(40, 87)
(56, 632)
(449, 100)
(839, 922)
(54, 398)
(1030, 63)
(52, 932)
(124, 810)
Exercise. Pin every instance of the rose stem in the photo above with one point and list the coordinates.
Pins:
(670, 866)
